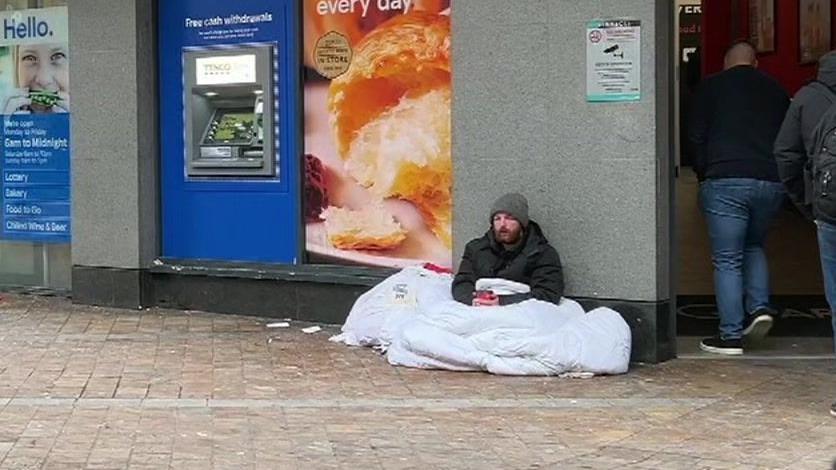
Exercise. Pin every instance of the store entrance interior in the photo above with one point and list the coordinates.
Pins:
(705, 28)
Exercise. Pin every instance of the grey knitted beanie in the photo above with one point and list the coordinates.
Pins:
(514, 204)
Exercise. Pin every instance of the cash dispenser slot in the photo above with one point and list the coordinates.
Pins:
(229, 112)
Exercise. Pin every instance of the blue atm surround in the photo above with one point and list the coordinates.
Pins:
(249, 219)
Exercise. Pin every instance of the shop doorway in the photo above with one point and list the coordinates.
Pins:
(704, 29)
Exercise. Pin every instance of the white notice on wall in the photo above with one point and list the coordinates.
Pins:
(225, 69)
(613, 60)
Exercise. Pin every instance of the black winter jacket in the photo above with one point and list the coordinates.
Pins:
(534, 262)
(734, 119)
(794, 144)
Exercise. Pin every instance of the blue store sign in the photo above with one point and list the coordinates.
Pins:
(35, 131)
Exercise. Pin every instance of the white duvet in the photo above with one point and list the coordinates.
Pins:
(412, 317)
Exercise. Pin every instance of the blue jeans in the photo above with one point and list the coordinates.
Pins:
(827, 248)
(739, 212)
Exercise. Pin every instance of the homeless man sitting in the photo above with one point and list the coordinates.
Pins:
(514, 248)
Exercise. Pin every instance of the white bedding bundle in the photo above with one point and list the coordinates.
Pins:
(414, 319)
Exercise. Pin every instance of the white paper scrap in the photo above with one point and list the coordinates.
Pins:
(311, 329)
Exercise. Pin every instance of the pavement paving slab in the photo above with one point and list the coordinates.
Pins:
(97, 388)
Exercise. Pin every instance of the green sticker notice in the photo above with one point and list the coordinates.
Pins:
(613, 60)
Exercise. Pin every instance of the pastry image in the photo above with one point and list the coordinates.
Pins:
(390, 115)
(370, 228)
(378, 170)
(353, 24)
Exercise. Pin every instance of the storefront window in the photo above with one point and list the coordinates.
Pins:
(25, 4)
(32, 259)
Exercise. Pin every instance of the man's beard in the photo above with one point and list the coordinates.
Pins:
(508, 237)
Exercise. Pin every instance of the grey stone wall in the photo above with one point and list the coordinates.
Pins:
(114, 128)
(596, 175)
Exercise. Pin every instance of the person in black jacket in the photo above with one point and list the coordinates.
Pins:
(514, 248)
(793, 149)
(794, 143)
(735, 118)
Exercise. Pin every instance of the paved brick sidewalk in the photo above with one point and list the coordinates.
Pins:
(84, 387)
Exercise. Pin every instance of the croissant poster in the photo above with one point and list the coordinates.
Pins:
(378, 166)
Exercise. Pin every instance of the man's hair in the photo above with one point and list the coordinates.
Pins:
(741, 52)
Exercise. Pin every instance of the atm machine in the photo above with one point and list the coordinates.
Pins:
(229, 112)
(230, 126)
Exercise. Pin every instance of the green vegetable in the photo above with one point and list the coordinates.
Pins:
(44, 98)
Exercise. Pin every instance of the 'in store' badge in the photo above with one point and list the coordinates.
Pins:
(332, 55)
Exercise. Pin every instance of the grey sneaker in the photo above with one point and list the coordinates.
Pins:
(833, 409)
(758, 323)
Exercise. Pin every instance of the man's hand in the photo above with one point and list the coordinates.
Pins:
(485, 301)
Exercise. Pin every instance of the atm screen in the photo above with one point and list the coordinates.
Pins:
(228, 93)
(231, 127)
